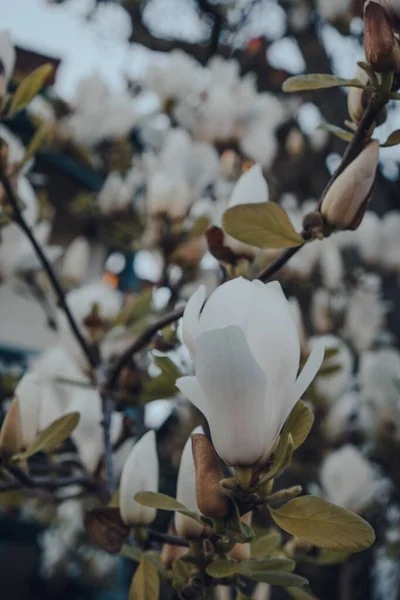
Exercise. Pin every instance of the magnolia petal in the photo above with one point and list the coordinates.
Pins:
(235, 387)
(29, 394)
(309, 371)
(228, 305)
(191, 388)
(251, 188)
(191, 318)
(140, 474)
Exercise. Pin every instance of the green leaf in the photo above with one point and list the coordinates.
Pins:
(330, 353)
(164, 502)
(200, 226)
(299, 83)
(41, 135)
(281, 578)
(132, 552)
(29, 88)
(264, 225)
(300, 594)
(145, 583)
(282, 456)
(275, 564)
(299, 423)
(157, 388)
(159, 501)
(52, 436)
(342, 134)
(324, 524)
(393, 139)
(266, 545)
(168, 367)
(223, 568)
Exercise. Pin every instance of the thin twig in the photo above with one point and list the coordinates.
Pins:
(49, 483)
(140, 343)
(20, 221)
(165, 538)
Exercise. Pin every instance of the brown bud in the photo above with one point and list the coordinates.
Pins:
(210, 498)
(381, 47)
(106, 529)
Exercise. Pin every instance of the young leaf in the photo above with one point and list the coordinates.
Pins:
(159, 501)
(145, 583)
(324, 524)
(281, 578)
(266, 544)
(29, 87)
(342, 134)
(223, 568)
(41, 134)
(132, 552)
(168, 367)
(263, 225)
(279, 563)
(53, 435)
(316, 81)
(299, 423)
(393, 139)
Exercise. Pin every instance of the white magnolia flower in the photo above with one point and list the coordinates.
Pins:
(186, 492)
(365, 316)
(333, 385)
(331, 11)
(115, 194)
(246, 350)
(28, 392)
(140, 474)
(7, 57)
(76, 260)
(378, 376)
(350, 413)
(349, 480)
(321, 311)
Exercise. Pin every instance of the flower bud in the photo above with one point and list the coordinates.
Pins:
(356, 100)
(186, 527)
(10, 433)
(28, 392)
(76, 260)
(210, 498)
(382, 49)
(345, 202)
(140, 474)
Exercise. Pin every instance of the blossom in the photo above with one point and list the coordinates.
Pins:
(245, 346)
(28, 392)
(343, 205)
(76, 260)
(390, 241)
(378, 372)
(186, 492)
(349, 480)
(140, 474)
